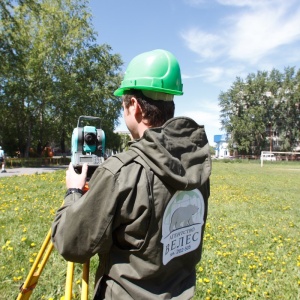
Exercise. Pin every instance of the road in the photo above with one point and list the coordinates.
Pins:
(30, 171)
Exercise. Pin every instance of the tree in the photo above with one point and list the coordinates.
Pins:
(262, 112)
(54, 72)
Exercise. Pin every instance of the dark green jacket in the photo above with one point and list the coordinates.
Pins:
(144, 214)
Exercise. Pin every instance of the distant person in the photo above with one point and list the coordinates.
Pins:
(146, 208)
(2, 160)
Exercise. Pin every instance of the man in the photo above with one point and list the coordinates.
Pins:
(145, 211)
(2, 160)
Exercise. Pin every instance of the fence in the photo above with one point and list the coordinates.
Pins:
(37, 162)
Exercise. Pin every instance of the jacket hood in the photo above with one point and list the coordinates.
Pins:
(177, 152)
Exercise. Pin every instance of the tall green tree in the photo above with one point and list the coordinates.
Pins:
(54, 73)
(262, 112)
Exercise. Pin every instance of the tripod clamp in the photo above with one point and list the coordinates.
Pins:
(28, 289)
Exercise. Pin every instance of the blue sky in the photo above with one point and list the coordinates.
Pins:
(215, 41)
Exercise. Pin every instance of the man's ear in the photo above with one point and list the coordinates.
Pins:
(139, 114)
(137, 108)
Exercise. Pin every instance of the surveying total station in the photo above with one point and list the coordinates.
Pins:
(88, 146)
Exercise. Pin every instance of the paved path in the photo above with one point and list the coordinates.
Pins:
(30, 171)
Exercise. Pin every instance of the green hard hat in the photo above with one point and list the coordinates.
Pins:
(156, 70)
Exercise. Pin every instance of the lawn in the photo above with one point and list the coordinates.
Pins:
(251, 247)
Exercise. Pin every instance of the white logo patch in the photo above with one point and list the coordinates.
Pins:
(182, 224)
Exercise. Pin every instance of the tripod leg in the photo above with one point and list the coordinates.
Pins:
(69, 281)
(85, 281)
(33, 276)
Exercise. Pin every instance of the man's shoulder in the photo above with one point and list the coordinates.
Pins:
(117, 161)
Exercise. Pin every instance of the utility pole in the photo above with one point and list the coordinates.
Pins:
(270, 137)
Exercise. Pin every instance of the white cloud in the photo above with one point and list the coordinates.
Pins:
(208, 118)
(214, 74)
(187, 76)
(256, 31)
(222, 77)
(206, 45)
(206, 112)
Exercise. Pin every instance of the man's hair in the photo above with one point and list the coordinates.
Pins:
(156, 112)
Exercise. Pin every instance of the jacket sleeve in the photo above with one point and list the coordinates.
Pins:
(83, 225)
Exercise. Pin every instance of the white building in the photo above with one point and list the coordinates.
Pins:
(221, 150)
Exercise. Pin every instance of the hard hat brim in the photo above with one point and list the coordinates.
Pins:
(120, 91)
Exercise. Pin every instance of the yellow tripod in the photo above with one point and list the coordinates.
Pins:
(33, 276)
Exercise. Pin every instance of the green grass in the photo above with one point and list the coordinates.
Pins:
(251, 247)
